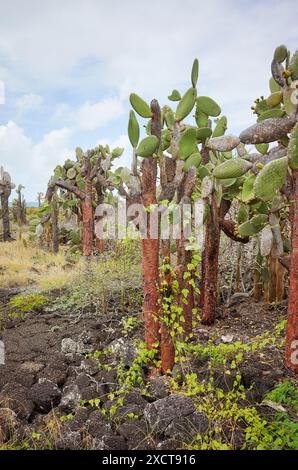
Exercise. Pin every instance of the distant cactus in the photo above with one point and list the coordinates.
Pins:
(5, 190)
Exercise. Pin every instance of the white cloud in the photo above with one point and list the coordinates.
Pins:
(90, 116)
(28, 102)
(32, 164)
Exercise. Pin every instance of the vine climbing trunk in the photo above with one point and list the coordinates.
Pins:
(87, 216)
(5, 217)
(292, 328)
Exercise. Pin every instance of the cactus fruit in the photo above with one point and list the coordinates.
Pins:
(293, 149)
(273, 85)
(271, 113)
(133, 129)
(174, 96)
(186, 104)
(193, 160)
(271, 178)
(274, 99)
(204, 133)
(224, 143)
(140, 106)
(280, 54)
(195, 73)
(201, 118)
(266, 241)
(208, 106)
(232, 168)
(187, 143)
(259, 166)
(293, 66)
(147, 146)
(221, 127)
(262, 148)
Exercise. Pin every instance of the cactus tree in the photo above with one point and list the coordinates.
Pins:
(5, 190)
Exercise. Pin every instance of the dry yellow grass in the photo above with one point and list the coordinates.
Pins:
(23, 265)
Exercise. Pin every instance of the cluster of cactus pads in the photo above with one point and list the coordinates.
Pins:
(186, 154)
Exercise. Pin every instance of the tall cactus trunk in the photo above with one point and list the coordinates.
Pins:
(258, 284)
(275, 288)
(292, 328)
(5, 217)
(210, 265)
(54, 221)
(167, 347)
(87, 215)
(150, 256)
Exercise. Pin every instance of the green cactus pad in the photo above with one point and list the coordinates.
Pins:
(170, 118)
(133, 129)
(186, 104)
(227, 183)
(243, 213)
(71, 173)
(58, 172)
(165, 139)
(293, 66)
(188, 143)
(203, 171)
(174, 96)
(262, 148)
(293, 149)
(274, 99)
(227, 155)
(271, 178)
(271, 113)
(68, 164)
(289, 100)
(140, 106)
(117, 152)
(194, 160)
(280, 54)
(195, 73)
(247, 230)
(232, 168)
(273, 85)
(201, 118)
(208, 106)
(204, 133)
(221, 127)
(259, 220)
(147, 146)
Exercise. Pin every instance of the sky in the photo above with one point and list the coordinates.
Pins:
(67, 69)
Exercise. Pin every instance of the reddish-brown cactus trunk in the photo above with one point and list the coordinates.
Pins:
(210, 265)
(167, 347)
(275, 288)
(87, 215)
(150, 245)
(292, 329)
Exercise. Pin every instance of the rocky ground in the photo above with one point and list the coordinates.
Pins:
(54, 395)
